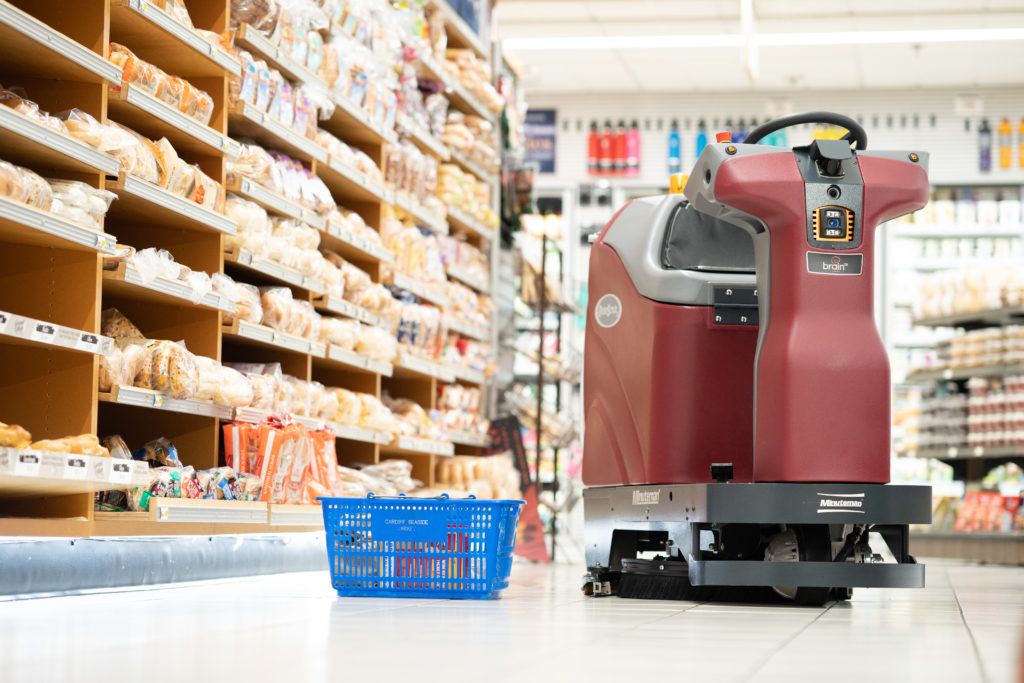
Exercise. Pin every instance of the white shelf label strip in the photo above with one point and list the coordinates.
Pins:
(190, 38)
(159, 196)
(59, 43)
(68, 146)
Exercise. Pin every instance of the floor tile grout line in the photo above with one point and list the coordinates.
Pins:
(970, 634)
(760, 664)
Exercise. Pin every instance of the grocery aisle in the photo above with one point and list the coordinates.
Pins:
(292, 627)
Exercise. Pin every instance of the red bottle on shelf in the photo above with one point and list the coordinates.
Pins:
(619, 150)
(604, 146)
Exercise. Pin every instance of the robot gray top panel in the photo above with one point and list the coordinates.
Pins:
(697, 241)
(638, 237)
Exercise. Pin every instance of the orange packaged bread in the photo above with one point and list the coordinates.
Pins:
(176, 176)
(138, 159)
(135, 71)
(170, 90)
(206, 191)
(196, 104)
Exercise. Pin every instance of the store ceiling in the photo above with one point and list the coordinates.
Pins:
(555, 69)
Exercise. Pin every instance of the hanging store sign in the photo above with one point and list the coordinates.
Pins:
(540, 130)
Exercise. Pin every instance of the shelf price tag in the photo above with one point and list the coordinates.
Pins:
(87, 342)
(979, 451)
(75, 467)
(4, 319)
(121, 473)
(27, 465)
(158, 401)
(43, 332)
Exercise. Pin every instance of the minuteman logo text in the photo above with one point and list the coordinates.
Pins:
(851, 503)
(646, 497)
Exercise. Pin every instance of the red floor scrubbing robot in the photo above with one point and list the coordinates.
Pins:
(736, 390)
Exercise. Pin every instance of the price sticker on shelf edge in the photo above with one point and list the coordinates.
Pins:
(158, 401)
(43, 332)
(87, 342)
(4, 319)
(27, 464)
(75, 467)
(121, 473)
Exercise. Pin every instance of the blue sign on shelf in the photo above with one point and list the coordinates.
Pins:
(540, 130)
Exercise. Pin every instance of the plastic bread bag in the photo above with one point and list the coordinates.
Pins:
(210, 372)
(398, 473)
(195, 103)
(375, 415)
(267, 80)
(253, 163)
(160, 452)
(85, 128)
(170, 90)
(325, 402)
(296, 233)
(110, 370)
(12, 184)
(73, 193)
(339, 332)
(114, 324)
(139, 158)
(296, 395)
(277, 306)
(134, 71)
(282, 106)
(242, 87)
(199, 282)
(136, 363)
(248, 306)
(37, 191)
(177, 10)
(324, 201)
(207, 192)
(174, 370)
(376, 344)
(350, 408)
(260, 14)
(175, 175)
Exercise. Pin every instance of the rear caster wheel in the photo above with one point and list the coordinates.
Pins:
(842, 593)
(802, 543)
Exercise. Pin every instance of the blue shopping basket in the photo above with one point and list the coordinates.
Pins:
(420, 547)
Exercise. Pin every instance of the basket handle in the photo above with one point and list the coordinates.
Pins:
(443, 496)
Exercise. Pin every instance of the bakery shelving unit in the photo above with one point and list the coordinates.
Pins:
(970, 463)
(52, 274)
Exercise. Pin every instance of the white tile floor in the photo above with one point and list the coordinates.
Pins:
(965, 626)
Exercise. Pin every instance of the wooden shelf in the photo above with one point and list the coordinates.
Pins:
(965, 373)
(25, 472)
(461, 221)
(127, 282)
(350, 433)
(459, 33)
(158, 38)
(140, 201)
(30, 143)
(467, 330)
(409, 445)
(419, 214)
(458, 94)
(469, 439)
(201, 510)
(992, 547)
(349, 122)
(265, 337)
(349, 185)
(423, 138)
(968, 453)
(21, 224)
(295, 515)
(411, 366)
(31, 48)
(330, 304)
(144, 398)
(246, 120)
(354, 361)
(353, 247)
(252, 40)
(989, 318)
(25, 331)
(467, 376)
(422, 290)
(275, 203)
(245, 260)
(459, 157)
(457, 273)
(155, 119)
